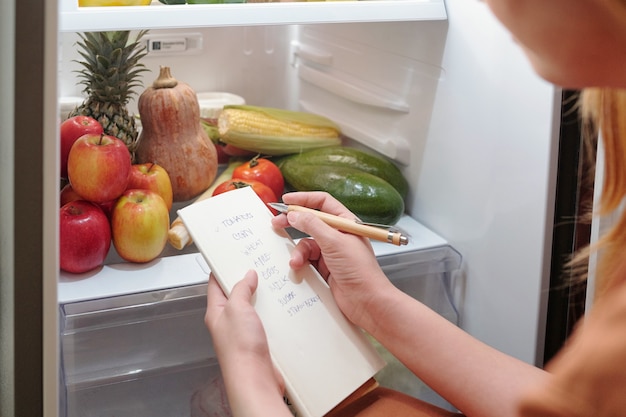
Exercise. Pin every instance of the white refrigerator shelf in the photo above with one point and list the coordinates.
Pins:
(159, 16)
(120, 278)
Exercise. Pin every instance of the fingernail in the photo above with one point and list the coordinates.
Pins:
(292, 217)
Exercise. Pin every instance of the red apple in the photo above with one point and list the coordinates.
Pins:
(150, 176)
(68, 194)
(107, 207)
(85, 236)
(98, 167)
(140, 223)
(71, 130)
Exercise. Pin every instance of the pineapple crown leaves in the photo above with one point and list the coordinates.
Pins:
(111, 66)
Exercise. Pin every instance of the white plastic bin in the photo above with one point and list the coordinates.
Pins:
(150, 354)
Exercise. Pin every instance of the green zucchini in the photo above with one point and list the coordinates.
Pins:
(370, 198)
(356, 159)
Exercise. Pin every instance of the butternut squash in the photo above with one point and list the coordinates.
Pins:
(172, 136)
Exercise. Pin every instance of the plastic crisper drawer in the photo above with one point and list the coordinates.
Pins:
(428, 276)
(144, 354)
(147, 352)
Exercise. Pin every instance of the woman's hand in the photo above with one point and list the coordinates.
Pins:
(346, 261)
(234, 324)
(253, 385)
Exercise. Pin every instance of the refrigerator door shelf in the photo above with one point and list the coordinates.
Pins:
(381, 97)
(158, 16)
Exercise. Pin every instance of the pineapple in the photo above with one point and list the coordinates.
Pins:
(110, 73)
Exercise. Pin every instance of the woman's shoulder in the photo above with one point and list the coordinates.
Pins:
(588, 377)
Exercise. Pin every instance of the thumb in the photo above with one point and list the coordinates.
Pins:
(325, 235)
(245, 289)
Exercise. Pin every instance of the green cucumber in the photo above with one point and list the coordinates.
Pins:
(370, 198)
(356, 159)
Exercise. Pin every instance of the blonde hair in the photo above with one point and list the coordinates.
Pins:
(604, 113)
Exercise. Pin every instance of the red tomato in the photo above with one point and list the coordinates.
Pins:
(263, 191)
(262, 170)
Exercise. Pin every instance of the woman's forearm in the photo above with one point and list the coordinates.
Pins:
(252, 390)
(459, 367)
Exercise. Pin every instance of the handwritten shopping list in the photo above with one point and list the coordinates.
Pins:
(322, 356)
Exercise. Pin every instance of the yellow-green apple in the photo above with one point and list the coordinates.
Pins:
(71, 130)
(139, 223)
(151, 176)
(98, 167)
(85, 236)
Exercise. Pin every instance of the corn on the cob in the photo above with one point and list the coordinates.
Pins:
(272, 131)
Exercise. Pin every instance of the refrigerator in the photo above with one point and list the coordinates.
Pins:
(491, 153)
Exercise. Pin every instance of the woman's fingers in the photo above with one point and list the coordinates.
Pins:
(318, 200)
(217, 300)
(244, 289)
(306, 251)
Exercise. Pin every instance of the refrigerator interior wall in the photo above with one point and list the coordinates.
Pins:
(366, 77)
(148, 353)
(248, 61)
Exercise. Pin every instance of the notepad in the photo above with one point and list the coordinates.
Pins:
(322, 356)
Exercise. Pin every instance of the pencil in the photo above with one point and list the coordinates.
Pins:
(381, 234)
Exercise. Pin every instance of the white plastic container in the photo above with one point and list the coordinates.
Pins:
(212, 103)
(149, 353)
